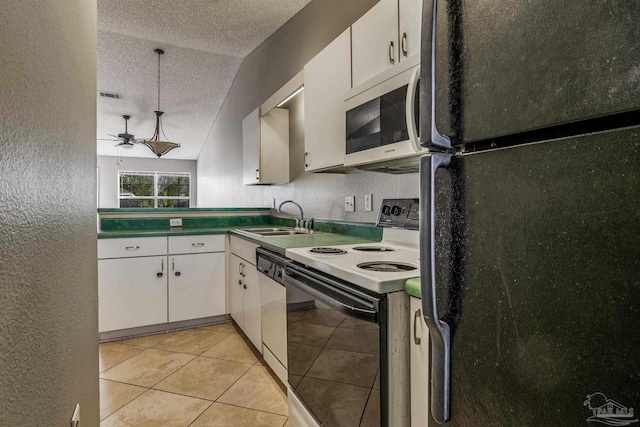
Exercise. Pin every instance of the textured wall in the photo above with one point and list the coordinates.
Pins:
(263, 72)
(48, 271)
(108, 167)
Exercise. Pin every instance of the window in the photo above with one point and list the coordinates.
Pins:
(154, 189)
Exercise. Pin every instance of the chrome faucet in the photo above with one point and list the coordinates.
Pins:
(300, 222)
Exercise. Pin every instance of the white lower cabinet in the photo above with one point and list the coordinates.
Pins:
(419, 365)
(196, 286)
(244, 299)
(179, 283)
(132, 292)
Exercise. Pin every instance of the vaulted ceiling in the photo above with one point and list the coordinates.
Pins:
(205, 42)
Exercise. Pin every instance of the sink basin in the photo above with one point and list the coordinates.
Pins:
(274, 231)
(282, 233)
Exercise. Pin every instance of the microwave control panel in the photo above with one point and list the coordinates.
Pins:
(400, 213)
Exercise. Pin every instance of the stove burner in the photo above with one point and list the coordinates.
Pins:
(386, 267)
(328, 251)
(373, 249)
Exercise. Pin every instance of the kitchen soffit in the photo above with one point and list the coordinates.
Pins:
(205, 43)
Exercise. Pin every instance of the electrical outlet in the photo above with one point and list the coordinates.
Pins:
(349, 203)
(175, 222)
(75, 418)
(367, 202)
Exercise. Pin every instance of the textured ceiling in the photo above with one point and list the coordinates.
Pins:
(205, 42)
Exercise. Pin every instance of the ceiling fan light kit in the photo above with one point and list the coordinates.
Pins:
(154, 143)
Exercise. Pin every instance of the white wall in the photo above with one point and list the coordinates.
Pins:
(48, 259)
(263, 72)
(108, 167)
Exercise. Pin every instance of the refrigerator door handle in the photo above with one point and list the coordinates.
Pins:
(429, 135)
(410, 111)
(439, 331)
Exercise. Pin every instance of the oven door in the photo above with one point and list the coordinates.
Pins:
(382, 122)
(336, 346)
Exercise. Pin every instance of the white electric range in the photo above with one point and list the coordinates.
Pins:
(380, 267)
(339, 328)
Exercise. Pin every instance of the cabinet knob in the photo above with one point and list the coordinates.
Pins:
(244, 286)
(240, 282)
(177, 273)
(159, 274)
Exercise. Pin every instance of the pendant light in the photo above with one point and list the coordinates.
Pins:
(155, 144)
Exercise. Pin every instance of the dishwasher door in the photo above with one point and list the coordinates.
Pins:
(274, 317)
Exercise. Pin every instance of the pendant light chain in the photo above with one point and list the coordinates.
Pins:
(159, 55)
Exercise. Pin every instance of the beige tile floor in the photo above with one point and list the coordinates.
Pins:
(208, 376)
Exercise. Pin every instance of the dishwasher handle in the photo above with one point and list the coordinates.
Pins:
(336, 298)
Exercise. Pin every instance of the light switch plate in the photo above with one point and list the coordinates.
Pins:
(349, 203)
(175, 222)
(367, 202)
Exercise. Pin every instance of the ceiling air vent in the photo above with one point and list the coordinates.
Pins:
(110, 95)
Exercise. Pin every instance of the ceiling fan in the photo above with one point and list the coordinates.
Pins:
(126, 139)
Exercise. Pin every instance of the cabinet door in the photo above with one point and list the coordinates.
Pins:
(274, 147)
(196, 286)
(419, 365)
(251, 148)
(130, 293)
(252, 318)
(327, 78)
(375, 41)
(410, 23)
(236, 293)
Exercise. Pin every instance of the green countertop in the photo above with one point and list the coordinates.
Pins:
(412, 287)
(178, 210)
(277, 243)
(161, 232)
(282, 243)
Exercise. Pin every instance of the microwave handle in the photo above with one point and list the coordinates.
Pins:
(410, 105)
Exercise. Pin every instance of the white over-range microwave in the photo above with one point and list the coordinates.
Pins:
(382, 124)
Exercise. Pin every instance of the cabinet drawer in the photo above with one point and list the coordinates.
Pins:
(196, 244)
(132, 247)
(244, 249)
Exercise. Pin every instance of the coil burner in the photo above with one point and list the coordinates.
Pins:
(386, 267)
(373, 249)
(327, 251)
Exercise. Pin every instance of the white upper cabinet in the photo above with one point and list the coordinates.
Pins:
(410, 23)
(265, 147)
(327, 78)
(383, 37)
(375, 41)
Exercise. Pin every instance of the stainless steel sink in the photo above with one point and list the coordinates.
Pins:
(274, 231)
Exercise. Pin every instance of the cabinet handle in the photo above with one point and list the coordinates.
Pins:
(240, 268)
(161, 269)
(257, 174)
(242, 272)
(403, 44)
(306, 157)
(132, 248)
(392, 55)
(240, 282)
(244, 286)
(197, 245)
(416, 316)
(177, 273)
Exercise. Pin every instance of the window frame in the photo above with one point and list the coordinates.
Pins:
(156, 175)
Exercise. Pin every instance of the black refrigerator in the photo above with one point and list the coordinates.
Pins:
(530, 211)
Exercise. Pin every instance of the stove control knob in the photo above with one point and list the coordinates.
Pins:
(395, 211)
(386, 210)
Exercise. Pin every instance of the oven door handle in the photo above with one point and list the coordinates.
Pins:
(331, 296)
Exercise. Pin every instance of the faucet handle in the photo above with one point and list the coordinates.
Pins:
(298, 224)
(310, 225)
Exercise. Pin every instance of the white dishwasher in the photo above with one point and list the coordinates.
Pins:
(274, 310)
